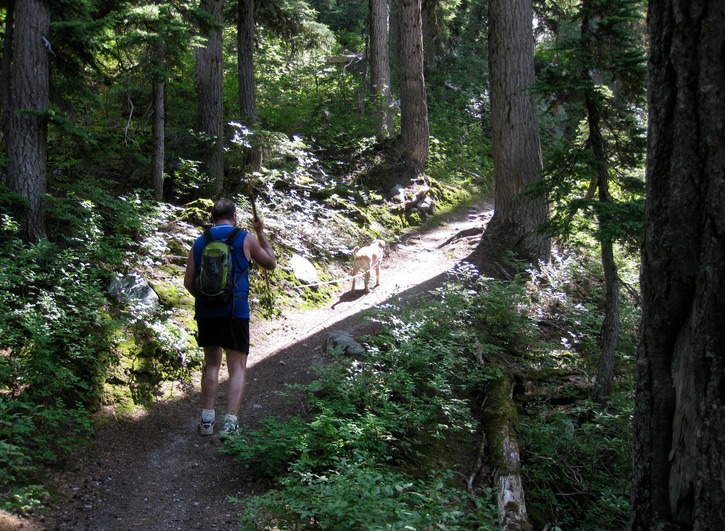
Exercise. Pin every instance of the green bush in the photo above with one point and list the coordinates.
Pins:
(390, 408)
(357, 493)
(56, 333)
(577, 465)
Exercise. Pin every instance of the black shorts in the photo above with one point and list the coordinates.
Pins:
(225, 332)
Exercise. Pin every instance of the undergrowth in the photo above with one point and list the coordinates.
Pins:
(361, 458)
(576, 453)
(62, 336)
(368, 456)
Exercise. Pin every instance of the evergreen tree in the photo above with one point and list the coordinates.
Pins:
(597, 81)
(414, 129)
(210, 89)
(380, 88)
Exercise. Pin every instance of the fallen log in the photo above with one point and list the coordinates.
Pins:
(500, 418)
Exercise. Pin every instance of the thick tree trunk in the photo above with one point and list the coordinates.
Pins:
(517, 160)
(27, 139)
(414, 129)
(210, 85)
(380, 65)
(679, 424)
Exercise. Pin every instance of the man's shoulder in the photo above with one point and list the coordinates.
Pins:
(223, 231)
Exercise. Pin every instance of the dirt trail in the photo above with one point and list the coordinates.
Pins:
(153, 472)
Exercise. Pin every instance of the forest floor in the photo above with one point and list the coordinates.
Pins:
(152, 471)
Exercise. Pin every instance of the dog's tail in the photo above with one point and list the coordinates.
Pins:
(355, 250)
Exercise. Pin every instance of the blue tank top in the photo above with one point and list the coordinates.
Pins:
(238, 306)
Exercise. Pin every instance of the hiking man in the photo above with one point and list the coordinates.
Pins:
(225, 326)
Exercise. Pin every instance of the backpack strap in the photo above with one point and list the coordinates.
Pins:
(208, 238)
(232, 236)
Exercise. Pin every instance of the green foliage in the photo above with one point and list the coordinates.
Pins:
(577, 464)
(576, 454)
(53, 355)
(357, 493)
(567, 294)
(594, 88)
(57, 338)
(458, 106)
(389, 407)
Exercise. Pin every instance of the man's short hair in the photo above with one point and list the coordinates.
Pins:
(223, 209)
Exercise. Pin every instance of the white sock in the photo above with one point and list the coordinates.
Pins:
(207, 415)
(230, 417)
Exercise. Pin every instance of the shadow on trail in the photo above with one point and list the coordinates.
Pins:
(295, 362)
(154, 472)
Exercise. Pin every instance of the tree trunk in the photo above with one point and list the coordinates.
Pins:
(245, 61)
(517, 160)
(610, 326)
(414, 130)
(380, 66)
(27, 140)
(246, 81)
(5, 68)
(679, 423)
(210, 84)
(158, 126)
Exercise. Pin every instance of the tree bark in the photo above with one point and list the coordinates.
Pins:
(159, 123)
(245, 61)
(246, 81)
(679, 423)
(27, 140)
(6, 66)
(414, 129)
(380, 66)
(597, 144)
(517, 162)
(210, 84)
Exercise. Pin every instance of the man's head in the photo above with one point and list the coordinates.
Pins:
(223, 210)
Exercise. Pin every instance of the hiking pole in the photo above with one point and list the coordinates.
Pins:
(255, 218)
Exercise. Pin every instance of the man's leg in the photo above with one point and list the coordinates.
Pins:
(210, 376)
(237, 365)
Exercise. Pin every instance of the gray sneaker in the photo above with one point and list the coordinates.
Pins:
(205, 427)
(229, 428)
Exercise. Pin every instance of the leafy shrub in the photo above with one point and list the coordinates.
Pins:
(359, 494)
(411, 390)
(56, 332)
(577, 465)
(52, 359)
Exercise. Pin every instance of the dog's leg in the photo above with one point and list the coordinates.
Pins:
(377, 272)
(354, 274)
(366, 281)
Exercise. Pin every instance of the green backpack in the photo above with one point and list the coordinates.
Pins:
(215, 277)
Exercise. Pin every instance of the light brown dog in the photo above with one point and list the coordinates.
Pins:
(365, 259)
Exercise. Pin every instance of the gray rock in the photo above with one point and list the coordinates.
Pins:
(303, 270)
(339, 342)
(132, 288)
